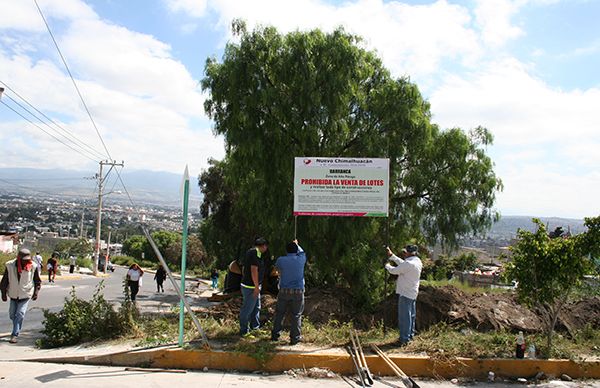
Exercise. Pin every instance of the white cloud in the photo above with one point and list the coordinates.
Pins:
(23, 15)
(133, 63)
(412, 39)
(194, 8)
(519, 108)
(544, 190)
(546, 138)
(146, 104)
(494, 18)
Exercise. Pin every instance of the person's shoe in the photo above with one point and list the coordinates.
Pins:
(295, 341)
(249, 336)
(13, 339)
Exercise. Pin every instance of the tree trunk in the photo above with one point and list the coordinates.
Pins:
(552, 318)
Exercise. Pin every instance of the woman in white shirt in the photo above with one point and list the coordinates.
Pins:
(134, 279)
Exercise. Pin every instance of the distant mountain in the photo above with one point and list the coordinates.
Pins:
(147, 187)
(507, 226)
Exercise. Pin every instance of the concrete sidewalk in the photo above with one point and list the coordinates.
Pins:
(27, 375)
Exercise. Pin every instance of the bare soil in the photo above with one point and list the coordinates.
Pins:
(479, 311)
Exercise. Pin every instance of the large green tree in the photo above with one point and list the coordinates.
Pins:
(274, 97)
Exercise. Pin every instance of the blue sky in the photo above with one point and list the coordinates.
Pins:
(525, 69)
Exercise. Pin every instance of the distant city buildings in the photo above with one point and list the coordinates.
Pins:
(41, 223)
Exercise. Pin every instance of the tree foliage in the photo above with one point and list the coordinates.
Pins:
(169, 244)
(80, 247)
(549, 268)
(274, 97)
(134, 246)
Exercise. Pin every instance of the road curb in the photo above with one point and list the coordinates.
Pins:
(420, 366)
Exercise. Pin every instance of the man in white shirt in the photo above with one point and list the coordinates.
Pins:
(408, 270)
(72, 263)
(38, 260)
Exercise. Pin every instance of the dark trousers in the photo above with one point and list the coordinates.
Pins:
(134, 288)
(71, 268)
(293, 301)
(159, 285)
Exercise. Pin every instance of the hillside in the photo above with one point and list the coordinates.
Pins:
(147, 187)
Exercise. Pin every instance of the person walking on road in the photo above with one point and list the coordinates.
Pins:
(252, 275)
(52, 267)
(72, 262)
(408, 270)
(214, 277)
(39, 261)
(291, 291)
(134, 279)
(21, 282)
(160, 277)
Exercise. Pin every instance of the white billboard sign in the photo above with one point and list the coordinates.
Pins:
(343, 187)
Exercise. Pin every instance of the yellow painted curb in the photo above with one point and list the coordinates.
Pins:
(68, 277)
(342, 363)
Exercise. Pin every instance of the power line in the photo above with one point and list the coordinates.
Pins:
(47, 133)
(98, 154)
(115, 182)
(72, 79)
(52, 129)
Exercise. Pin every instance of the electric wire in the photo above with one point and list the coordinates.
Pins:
(73, 80)
(52, 129)
(48, 133)
(66, 131)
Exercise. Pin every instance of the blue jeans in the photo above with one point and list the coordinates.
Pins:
(250, 311)
(292, 300)
(16, 313)
(215, 282)
(407, 314)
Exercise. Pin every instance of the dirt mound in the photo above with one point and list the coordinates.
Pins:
(480, 311)
(320, 306)
(484, 312)
(488, 312)
(577, 315)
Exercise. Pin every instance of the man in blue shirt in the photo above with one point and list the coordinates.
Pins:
(291, 291)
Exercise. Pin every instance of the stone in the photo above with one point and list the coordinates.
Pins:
(565, 377)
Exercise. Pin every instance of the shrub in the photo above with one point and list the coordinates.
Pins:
(128, 260)
(4, 257)
(82, 320)
(84, 262)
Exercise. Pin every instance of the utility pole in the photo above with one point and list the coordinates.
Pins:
(81, 229)
(107, 250)
(101, 179)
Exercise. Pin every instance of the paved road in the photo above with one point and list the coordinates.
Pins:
(52, 297)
